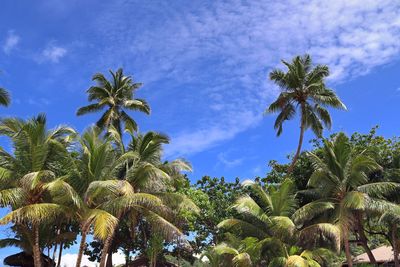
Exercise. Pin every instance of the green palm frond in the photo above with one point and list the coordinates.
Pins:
(11, 242)
(242, 228)
(247, 206)
(63, 193)
(311, 210)
(379, 189)
(116, 95)
(163, 227)
(303, 88)
(103, 222)
(177, 201)
(11, 197)
(37, 213)
(327, 230)
(5, 98)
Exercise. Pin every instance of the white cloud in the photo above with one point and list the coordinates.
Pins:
(226, 48)
(38, 101)
(229, 163)
(52, 53)
(203, 138)
(69, 260)
(11, 42)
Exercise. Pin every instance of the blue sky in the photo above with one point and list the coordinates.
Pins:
(204, 66)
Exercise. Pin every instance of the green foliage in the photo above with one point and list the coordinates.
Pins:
(115, 95)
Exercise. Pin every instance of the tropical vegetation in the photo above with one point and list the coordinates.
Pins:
(109, 189)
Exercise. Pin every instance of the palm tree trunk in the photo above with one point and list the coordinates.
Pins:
(56, 245)
(394, 244)
(37, 259)
(296, 156)
(347, 249)
(104, 252)
(109, 256)
(60, 254)
(363, 238)
(107, 244)
(82, 245)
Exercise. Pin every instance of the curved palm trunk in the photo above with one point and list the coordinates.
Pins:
(363, 239)
(37, 259)
(347, 249)
(394, 244)
(296, 156)
(82, 245)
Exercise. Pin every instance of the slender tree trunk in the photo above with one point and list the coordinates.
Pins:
(363, 238)
(104, 252)
(109, 256)
(56, 245)
(296, 156)
(394, 244)
(37, 259)
(347, 249)
(54, 252)
(82, 245)
(60, 254)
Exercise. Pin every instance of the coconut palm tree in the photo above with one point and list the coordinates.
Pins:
(303, 88)
(117, 96)
(4, 97)
(95, 167)
(150, 179)
(392, 219)
(342, 190)
(267, 216)
(30, 184)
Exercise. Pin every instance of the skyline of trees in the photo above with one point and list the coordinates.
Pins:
(111, 183)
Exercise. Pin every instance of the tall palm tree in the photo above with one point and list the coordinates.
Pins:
(96, 165)
(149, 180)
(342, 190)
(267, 216)
(4, 97)
(303, 88)
(117, 96)
(29, 182)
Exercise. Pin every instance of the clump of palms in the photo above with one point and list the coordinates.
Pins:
(32, 179)
(342, 190)
(303, 89)
(267, 217)
(116, 96)
(142, 188)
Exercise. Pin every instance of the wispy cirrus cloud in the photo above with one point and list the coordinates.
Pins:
(10, 42)
(226, 48)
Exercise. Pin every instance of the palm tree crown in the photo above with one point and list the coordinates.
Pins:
(115, 95)
(303, 87)
(342, 189)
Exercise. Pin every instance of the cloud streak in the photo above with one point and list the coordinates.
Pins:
(226, 48)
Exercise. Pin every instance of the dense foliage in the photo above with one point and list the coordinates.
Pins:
(109, 189)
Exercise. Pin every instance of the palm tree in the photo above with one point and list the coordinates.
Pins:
(117, 95)
(29, 182)
(147, 192)
(96, 165)
(303, 88)
(267, 216)
(343, 192)
(4, 97)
